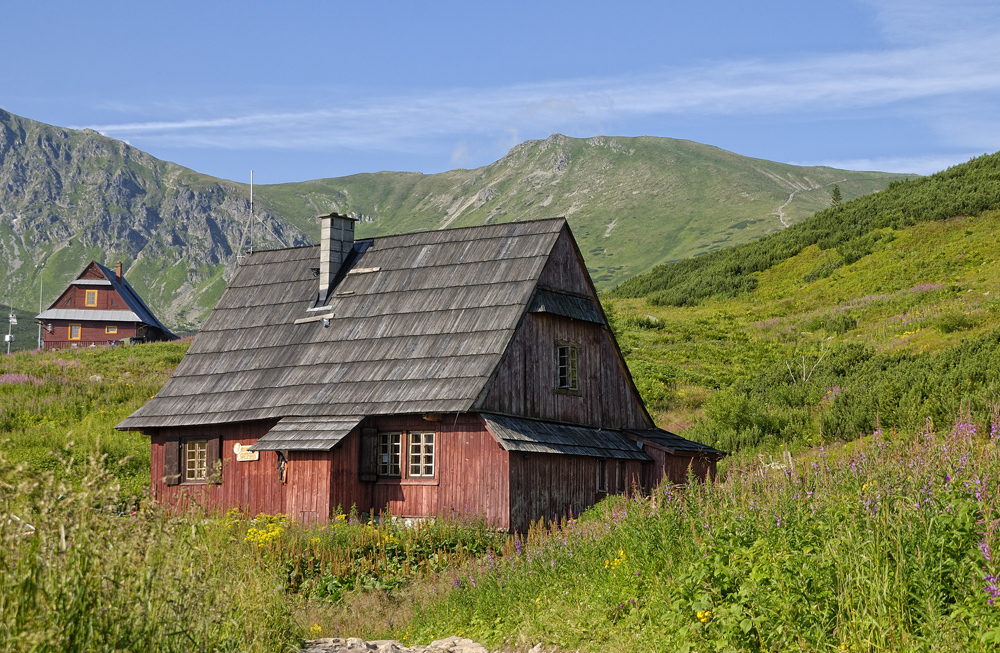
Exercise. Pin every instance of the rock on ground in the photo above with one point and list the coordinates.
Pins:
(358, 645)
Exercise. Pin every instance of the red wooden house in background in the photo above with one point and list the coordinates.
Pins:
(99, 308)
(467, 370)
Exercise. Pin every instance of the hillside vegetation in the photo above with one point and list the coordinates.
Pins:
(853, 230)
(888, 311)
(68, 196)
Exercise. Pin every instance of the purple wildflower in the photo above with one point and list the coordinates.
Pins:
(992, 589)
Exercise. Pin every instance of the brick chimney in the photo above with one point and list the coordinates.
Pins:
(336, 242)
(118, 272)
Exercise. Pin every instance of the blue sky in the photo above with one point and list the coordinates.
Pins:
(304, 90)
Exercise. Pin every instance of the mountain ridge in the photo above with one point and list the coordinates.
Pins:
(67, 196)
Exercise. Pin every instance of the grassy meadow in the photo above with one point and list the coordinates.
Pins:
(859, 396)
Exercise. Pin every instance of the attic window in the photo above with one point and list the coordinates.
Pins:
(91, 298)
(567, 366)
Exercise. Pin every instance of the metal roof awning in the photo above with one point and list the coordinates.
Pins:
(90, 282)
(578, 308)
(307, 433)
(537, 436)
(84, 314)
(673, 443)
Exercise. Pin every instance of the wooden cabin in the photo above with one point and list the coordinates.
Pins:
(99, 307)
(466, 371)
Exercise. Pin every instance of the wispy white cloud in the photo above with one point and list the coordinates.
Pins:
(916, 69)
(921, 164)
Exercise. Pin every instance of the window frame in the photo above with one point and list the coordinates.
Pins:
(79, 332)
(387, 467)
(201, 454)
(602, 475)
(426, 443)
(111, 329)
(91, 299)
(567, 367)
(620, 477)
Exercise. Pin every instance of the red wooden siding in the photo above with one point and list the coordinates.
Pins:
(553, 486)
(307, 493)
(470, 472)
(90, 333)
(525, 381)
(56, 332)
(673, 468)
(251, 486)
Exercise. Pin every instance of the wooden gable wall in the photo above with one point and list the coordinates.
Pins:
(525, 381)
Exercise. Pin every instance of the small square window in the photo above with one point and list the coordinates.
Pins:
(567, 366)
(421, 458)
(75, 331)
(91, 298)
(389, 454)
(195, 461)
(111, 329)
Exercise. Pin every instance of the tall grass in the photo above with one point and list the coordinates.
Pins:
(69, 402)
(886, 545)
(77, 575)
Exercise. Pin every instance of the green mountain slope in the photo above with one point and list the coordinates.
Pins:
(632, 202)
(68, 196)
(907, 332)
(851, 229)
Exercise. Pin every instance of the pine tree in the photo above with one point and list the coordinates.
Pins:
(835, 195)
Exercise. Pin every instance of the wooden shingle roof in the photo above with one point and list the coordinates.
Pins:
(419, 324)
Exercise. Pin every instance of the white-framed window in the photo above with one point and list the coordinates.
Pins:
(567, 366)
(389, 454)
(421, 455)
(195, 461)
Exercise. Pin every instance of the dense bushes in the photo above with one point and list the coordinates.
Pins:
(852, 228)
(851, 388)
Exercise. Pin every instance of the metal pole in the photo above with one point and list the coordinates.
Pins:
(41, 278)
(251, 211)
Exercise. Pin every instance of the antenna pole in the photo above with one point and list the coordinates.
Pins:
(41, 278)
(251, 211)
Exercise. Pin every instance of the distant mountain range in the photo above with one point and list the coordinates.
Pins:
(68, 196)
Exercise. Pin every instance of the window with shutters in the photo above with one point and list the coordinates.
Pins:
(567, 367)
(192, 460)
(421, 455)
(195, 461)
(389, 452)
